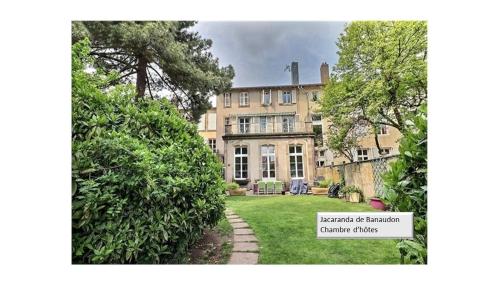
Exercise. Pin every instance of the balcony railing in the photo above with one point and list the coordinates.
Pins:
(269, 128)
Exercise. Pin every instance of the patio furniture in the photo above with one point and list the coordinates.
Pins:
(304, 187)
(261, 187)
(270, 187)
(278, 187)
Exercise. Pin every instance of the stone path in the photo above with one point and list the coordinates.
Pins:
(245, 247)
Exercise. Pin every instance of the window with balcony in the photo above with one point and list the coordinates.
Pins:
(287, 124)
(240, 162)
(227, 99)
(244, 99)
(296, 162)
(263, 124)
(244, 125)
(268, 162)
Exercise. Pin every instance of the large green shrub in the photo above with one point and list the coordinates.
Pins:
(406, 186)
(144, 183)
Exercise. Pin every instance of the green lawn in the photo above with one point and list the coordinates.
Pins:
(286, 229)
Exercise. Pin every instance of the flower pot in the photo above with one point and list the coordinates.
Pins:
(377, 203)
(354, 197)
(319, 191)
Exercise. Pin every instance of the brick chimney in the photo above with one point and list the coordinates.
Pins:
(324, 71)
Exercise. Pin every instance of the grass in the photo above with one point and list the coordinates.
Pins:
(225, 229)
(286, 229)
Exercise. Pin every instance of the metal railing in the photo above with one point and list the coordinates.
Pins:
(267, 128)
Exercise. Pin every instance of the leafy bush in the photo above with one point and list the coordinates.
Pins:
(232, 186)
(144, 183)
(325, 183)
(351, 189)
(405, 186)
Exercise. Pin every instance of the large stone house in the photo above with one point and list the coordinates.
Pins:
(275, 132)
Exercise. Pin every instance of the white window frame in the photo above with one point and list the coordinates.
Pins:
(388, 149)
(363, 156)
(212, 144)
(241, 155)
(245, 124)
(267, 167)
(263, 125)
(227, 99)
(294, 155)
(284, 94)
(290, 124)
(266, 97)
(244, 99)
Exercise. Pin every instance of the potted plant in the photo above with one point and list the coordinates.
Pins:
(322, 189)
(377, 203)
(352, 194)
(235, 190)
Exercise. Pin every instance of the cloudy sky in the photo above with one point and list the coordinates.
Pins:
(260, 51)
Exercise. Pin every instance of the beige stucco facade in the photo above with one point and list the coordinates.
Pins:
(230, 111)
(281, 117)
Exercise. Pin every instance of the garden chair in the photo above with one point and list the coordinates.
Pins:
(278, 187)
(270, 187)
(261, 187)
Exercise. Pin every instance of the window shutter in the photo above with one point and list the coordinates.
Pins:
(294, 96)
(280, 97)
(263, 99)
(270, 97)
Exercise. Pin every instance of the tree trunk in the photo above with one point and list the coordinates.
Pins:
(377, 143)
(141, 76)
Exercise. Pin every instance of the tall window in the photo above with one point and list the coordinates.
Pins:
(296, 163)
(266, 97)
(240, 162)
(263, 124)
(287, 97)
(383, 130)
(244, 125)
(227, 99)
(362, 154)
(243, 99)
(227, 125)
(287, 123)
(211, 143)
(268, 162)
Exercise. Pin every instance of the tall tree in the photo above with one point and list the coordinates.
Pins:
(380, 78)
(166, 56)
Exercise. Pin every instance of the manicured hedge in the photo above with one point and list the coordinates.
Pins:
(144, 183)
